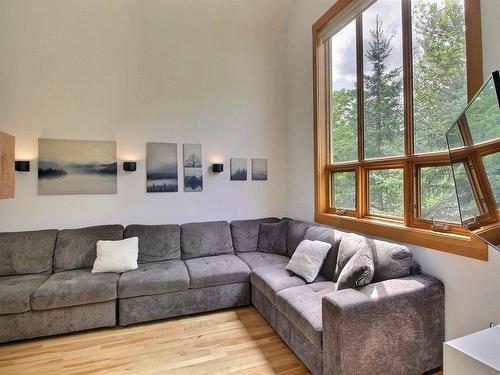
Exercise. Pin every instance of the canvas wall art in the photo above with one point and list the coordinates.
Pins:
(193, 172)
(76, 167)
(259, 169)
(7, 177)
(238, 169)
(192, 155)
(193, 179)
(161, 167)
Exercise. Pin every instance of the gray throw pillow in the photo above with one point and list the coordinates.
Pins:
(349, 245)
(272, 237)
(358, 271)
(391, 260)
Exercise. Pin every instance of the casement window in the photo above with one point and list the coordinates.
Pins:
(390, 78)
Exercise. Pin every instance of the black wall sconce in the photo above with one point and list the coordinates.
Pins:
(129, 166)
(22, 165)
(217, 168)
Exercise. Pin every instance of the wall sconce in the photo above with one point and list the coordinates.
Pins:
(129, 166)
(217, 168)
(22, 165)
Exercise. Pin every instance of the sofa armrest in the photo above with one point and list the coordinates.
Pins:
(390, 327)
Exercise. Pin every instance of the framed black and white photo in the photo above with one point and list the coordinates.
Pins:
(193, 172)
(161, 167)
(259, 169)
(238, 169)
(76, 167)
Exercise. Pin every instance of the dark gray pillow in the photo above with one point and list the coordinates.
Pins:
(272, 237)
(349, 245)
(358, 271)
(245, 233)
(391, 260)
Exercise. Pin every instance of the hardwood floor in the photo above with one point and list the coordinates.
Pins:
(236, 341)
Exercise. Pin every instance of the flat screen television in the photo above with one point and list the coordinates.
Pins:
(474, 147)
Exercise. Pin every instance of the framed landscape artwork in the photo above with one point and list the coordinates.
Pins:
(259, 169)
(193, 172)
(76, 167)
(161, 167)
(238, 169)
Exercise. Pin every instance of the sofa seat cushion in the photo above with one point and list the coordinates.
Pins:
(257, 259)
(154, 278)
(217, 270)
(16, 291)
(302, 306)
(74, 288)
(270, 280)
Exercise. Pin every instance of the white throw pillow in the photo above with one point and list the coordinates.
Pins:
(308, 259)
(116, 256)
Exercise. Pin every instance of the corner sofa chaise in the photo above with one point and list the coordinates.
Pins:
(395, 325)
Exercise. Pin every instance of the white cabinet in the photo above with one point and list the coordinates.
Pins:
(478, 354)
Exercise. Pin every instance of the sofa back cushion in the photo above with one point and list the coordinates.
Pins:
(245, 233)
(27, 252)
(296, 233)
(76, 248)
(333, 237)
(205, 239)
(156, 242)
(391, 260)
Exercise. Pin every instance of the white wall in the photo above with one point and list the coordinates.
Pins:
(186, 71)
(226, 73)
(472, 287)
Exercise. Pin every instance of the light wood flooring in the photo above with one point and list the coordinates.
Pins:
(236, 341)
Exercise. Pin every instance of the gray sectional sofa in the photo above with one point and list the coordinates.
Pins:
(395, 325)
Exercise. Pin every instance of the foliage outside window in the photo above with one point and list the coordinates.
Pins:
(396, 77)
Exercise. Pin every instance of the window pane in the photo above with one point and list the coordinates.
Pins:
(492, 166)
(439, 70)
(437, 194)
(454, 137)
(483, 116)
(383, 88)
(466, 199)
(343, 105)
(386, 192)
(344, 190)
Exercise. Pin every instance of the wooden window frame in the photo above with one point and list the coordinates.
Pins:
(342, 210)
(409, 229)
(366, 197)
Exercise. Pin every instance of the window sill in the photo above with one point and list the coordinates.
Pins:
(466, 246)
